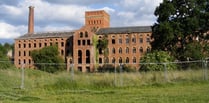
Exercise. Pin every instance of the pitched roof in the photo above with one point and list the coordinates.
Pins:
(46, 35)
(122, 30)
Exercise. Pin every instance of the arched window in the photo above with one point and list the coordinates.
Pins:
(100, 60)
(113, 50)
(120, 50)
(86, 34)
(127, 50)
(141, 50)
(134, 50)
(81, 34)
(113, 60)
(120, 60)
(87, 56)
(79, 57)
(127, 60)
(134, 60)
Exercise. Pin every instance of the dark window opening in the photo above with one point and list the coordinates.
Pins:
(134, 50)
(62, 44)
(24, 53)
(19, 45)
(120, 60)
(86, 34)
(106, 60)
(100, 60)
(87, 57)
(100, 51)
(134, 40)
(39, 44)
(113, 60)
(113, 50)
(148, 40)
(88, 42)
(29, 45)
(79, 57)
(24, 45)
(134, 60)
(127, 40)
(34, 45)
(127, 60)
(84, 42)
(45, 44)
(141, 50)
(113, 41)
(81, 34)
(127, 50)
(140, 40)
(19, 53)
(79, 42)
(62, 52)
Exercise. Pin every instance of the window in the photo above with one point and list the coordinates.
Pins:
(134, 60)
(113, 50)
(19, 61)
(100, 60)
(88, 42)
(45, 44)
(134, 40)
(50, 44)
(127, 50)
(79, 42)
(79, 57)
(113, 41)
(87, 57)
(24, 45)
(19, 46)
(62, 44)
(40, 45)
(127, 40)
(141, 50)
(134, 50)
(140, 40)
(62, 52)
(81, 34)
(84, 42)
(29, 61)
(127, 60)
(29, 53)
(100, 51)
(120, 60)
(19, 53)
(34, 45)
(113, 60)
(120, 41)
(120, 50)
(24, 53)
(148, 40)
(29, 45)
(86, 34)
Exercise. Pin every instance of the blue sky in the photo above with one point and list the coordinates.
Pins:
(59, 15)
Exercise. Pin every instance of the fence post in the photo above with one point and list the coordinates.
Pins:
(121, 74)
(206, 70)
(115, 80)
(165, 71)
(22, 76)
(72, 71)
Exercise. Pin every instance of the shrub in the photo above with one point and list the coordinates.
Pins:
(155, 60)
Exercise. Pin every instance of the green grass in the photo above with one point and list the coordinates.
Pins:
(150, 87)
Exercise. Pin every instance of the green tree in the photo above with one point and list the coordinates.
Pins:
(180, 22)
(153, 61)
(48, 59)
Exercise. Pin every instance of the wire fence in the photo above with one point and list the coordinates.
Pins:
(118, 74)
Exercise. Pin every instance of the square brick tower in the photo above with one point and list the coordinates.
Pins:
(97, 19)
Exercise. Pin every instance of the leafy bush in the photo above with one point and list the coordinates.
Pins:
(49, 55)
(154, 61)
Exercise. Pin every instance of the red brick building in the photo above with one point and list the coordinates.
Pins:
(125, 44)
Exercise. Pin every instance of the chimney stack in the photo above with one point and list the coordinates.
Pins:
(31, 20)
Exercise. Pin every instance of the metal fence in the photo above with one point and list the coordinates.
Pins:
(120, 76)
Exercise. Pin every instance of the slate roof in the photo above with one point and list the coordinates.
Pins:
(46, 35)
(122, 30)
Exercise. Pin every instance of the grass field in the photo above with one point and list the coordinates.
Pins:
(41, 87)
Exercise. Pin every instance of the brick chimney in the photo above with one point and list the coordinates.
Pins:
(31, 20)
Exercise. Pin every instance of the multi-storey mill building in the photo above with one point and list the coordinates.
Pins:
(125, 44)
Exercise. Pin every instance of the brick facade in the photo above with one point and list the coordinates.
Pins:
(125, 44)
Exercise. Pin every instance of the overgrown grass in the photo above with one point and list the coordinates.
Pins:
(142, 87)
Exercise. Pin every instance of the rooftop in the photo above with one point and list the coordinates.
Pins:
(47, 35)
(122, 30)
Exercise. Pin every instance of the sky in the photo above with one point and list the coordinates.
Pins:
(68, 15)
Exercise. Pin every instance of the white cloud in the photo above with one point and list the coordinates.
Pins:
(9, 31)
